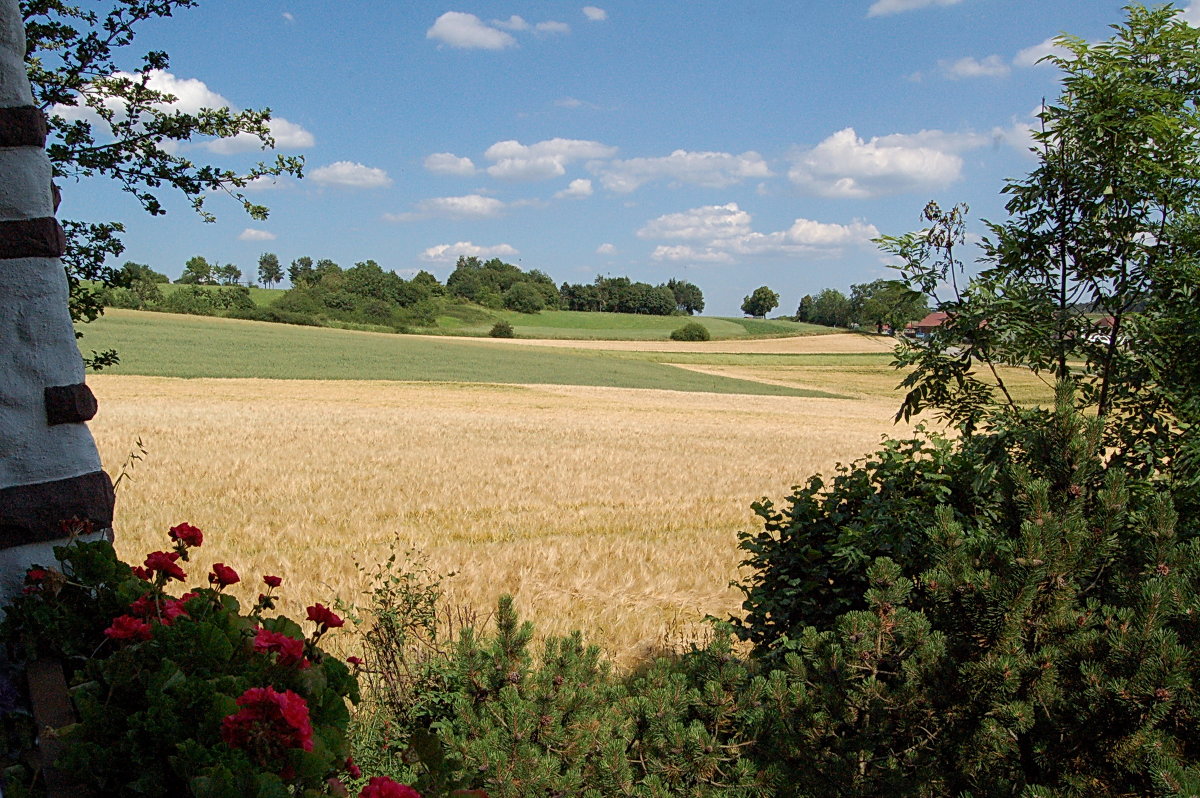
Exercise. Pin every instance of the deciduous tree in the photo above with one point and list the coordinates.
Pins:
(761, 302)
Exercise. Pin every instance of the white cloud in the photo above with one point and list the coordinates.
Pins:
(708, 223)
(443, 253)
(844, 165)
(289, 16)
(250, 234)
(350, 174)
(991, 67)
(709, 169)
(269, 183)
(595, 14)
(447, 163)
(543, 160)
(551, 27)
(1191, 14)
(190, 96)
(722, 233)
(682, 252)
(882, 8)
(1030, 56)
(578, 189)
(468, 32)
(471, 206)
(287, 135)
(606, 249)
(512, 23)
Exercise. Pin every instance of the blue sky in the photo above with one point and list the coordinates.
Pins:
(733, 144)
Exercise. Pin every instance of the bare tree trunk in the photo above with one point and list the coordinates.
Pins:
(49, 467)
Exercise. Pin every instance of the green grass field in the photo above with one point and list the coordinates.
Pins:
(617, 326)
(168, 345)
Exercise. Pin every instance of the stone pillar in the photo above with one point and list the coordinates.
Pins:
(49, 467)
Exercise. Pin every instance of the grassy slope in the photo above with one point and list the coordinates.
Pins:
(170, 345)
(619, 326)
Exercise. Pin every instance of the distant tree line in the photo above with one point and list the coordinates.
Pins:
(366, 294)
(622, 295)
(879, 304)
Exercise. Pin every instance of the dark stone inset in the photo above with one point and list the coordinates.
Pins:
(32, 238)
(35, 513)
(70, 404)
(23, 126)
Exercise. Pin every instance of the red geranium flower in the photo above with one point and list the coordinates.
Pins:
(187, 534)
(222, 575)
(289, 649)
(126, 627)
(324, 616)
(354, 770)
(164, 563)
(272, 581)
(354, 660)
(268, 724)
(142, 573)
(383, 787)
(142, 607)
(34, 575)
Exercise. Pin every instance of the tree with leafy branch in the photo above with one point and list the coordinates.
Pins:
(109, 117)
(760, 302)
(1093, 277)
(270, 272)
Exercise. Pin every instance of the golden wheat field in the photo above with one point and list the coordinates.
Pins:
(610, 510)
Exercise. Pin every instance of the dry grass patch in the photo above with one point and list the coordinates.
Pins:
(612, 510)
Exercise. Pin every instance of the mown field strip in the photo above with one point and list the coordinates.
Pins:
(610, 510)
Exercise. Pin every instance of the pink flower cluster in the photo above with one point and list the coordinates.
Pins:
(383, 787)
(290, 651)
(268, 724)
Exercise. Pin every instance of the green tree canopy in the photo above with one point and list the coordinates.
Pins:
(761, 302)
(270, 271)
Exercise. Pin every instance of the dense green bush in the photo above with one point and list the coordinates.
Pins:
(501, 329)
(692, 331)
(524, 298)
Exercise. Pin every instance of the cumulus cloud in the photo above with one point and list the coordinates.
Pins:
(991, 67)
(722, 233)
(595, 14)
(708, 169)
(287, 135)
(844, 165)
(471, 206)
(190, 96)
(881, 8)
(468, 32)
(351, 175)
(606, 249)
(684, 253)
(578, 189)
(447, 163)
(512, 23)
(513, 160)
(1030, 56)
(447, 253)
(711, 222)
(250, 234)
(1191, 14)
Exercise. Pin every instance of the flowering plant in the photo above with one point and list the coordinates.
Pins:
(185, 695)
